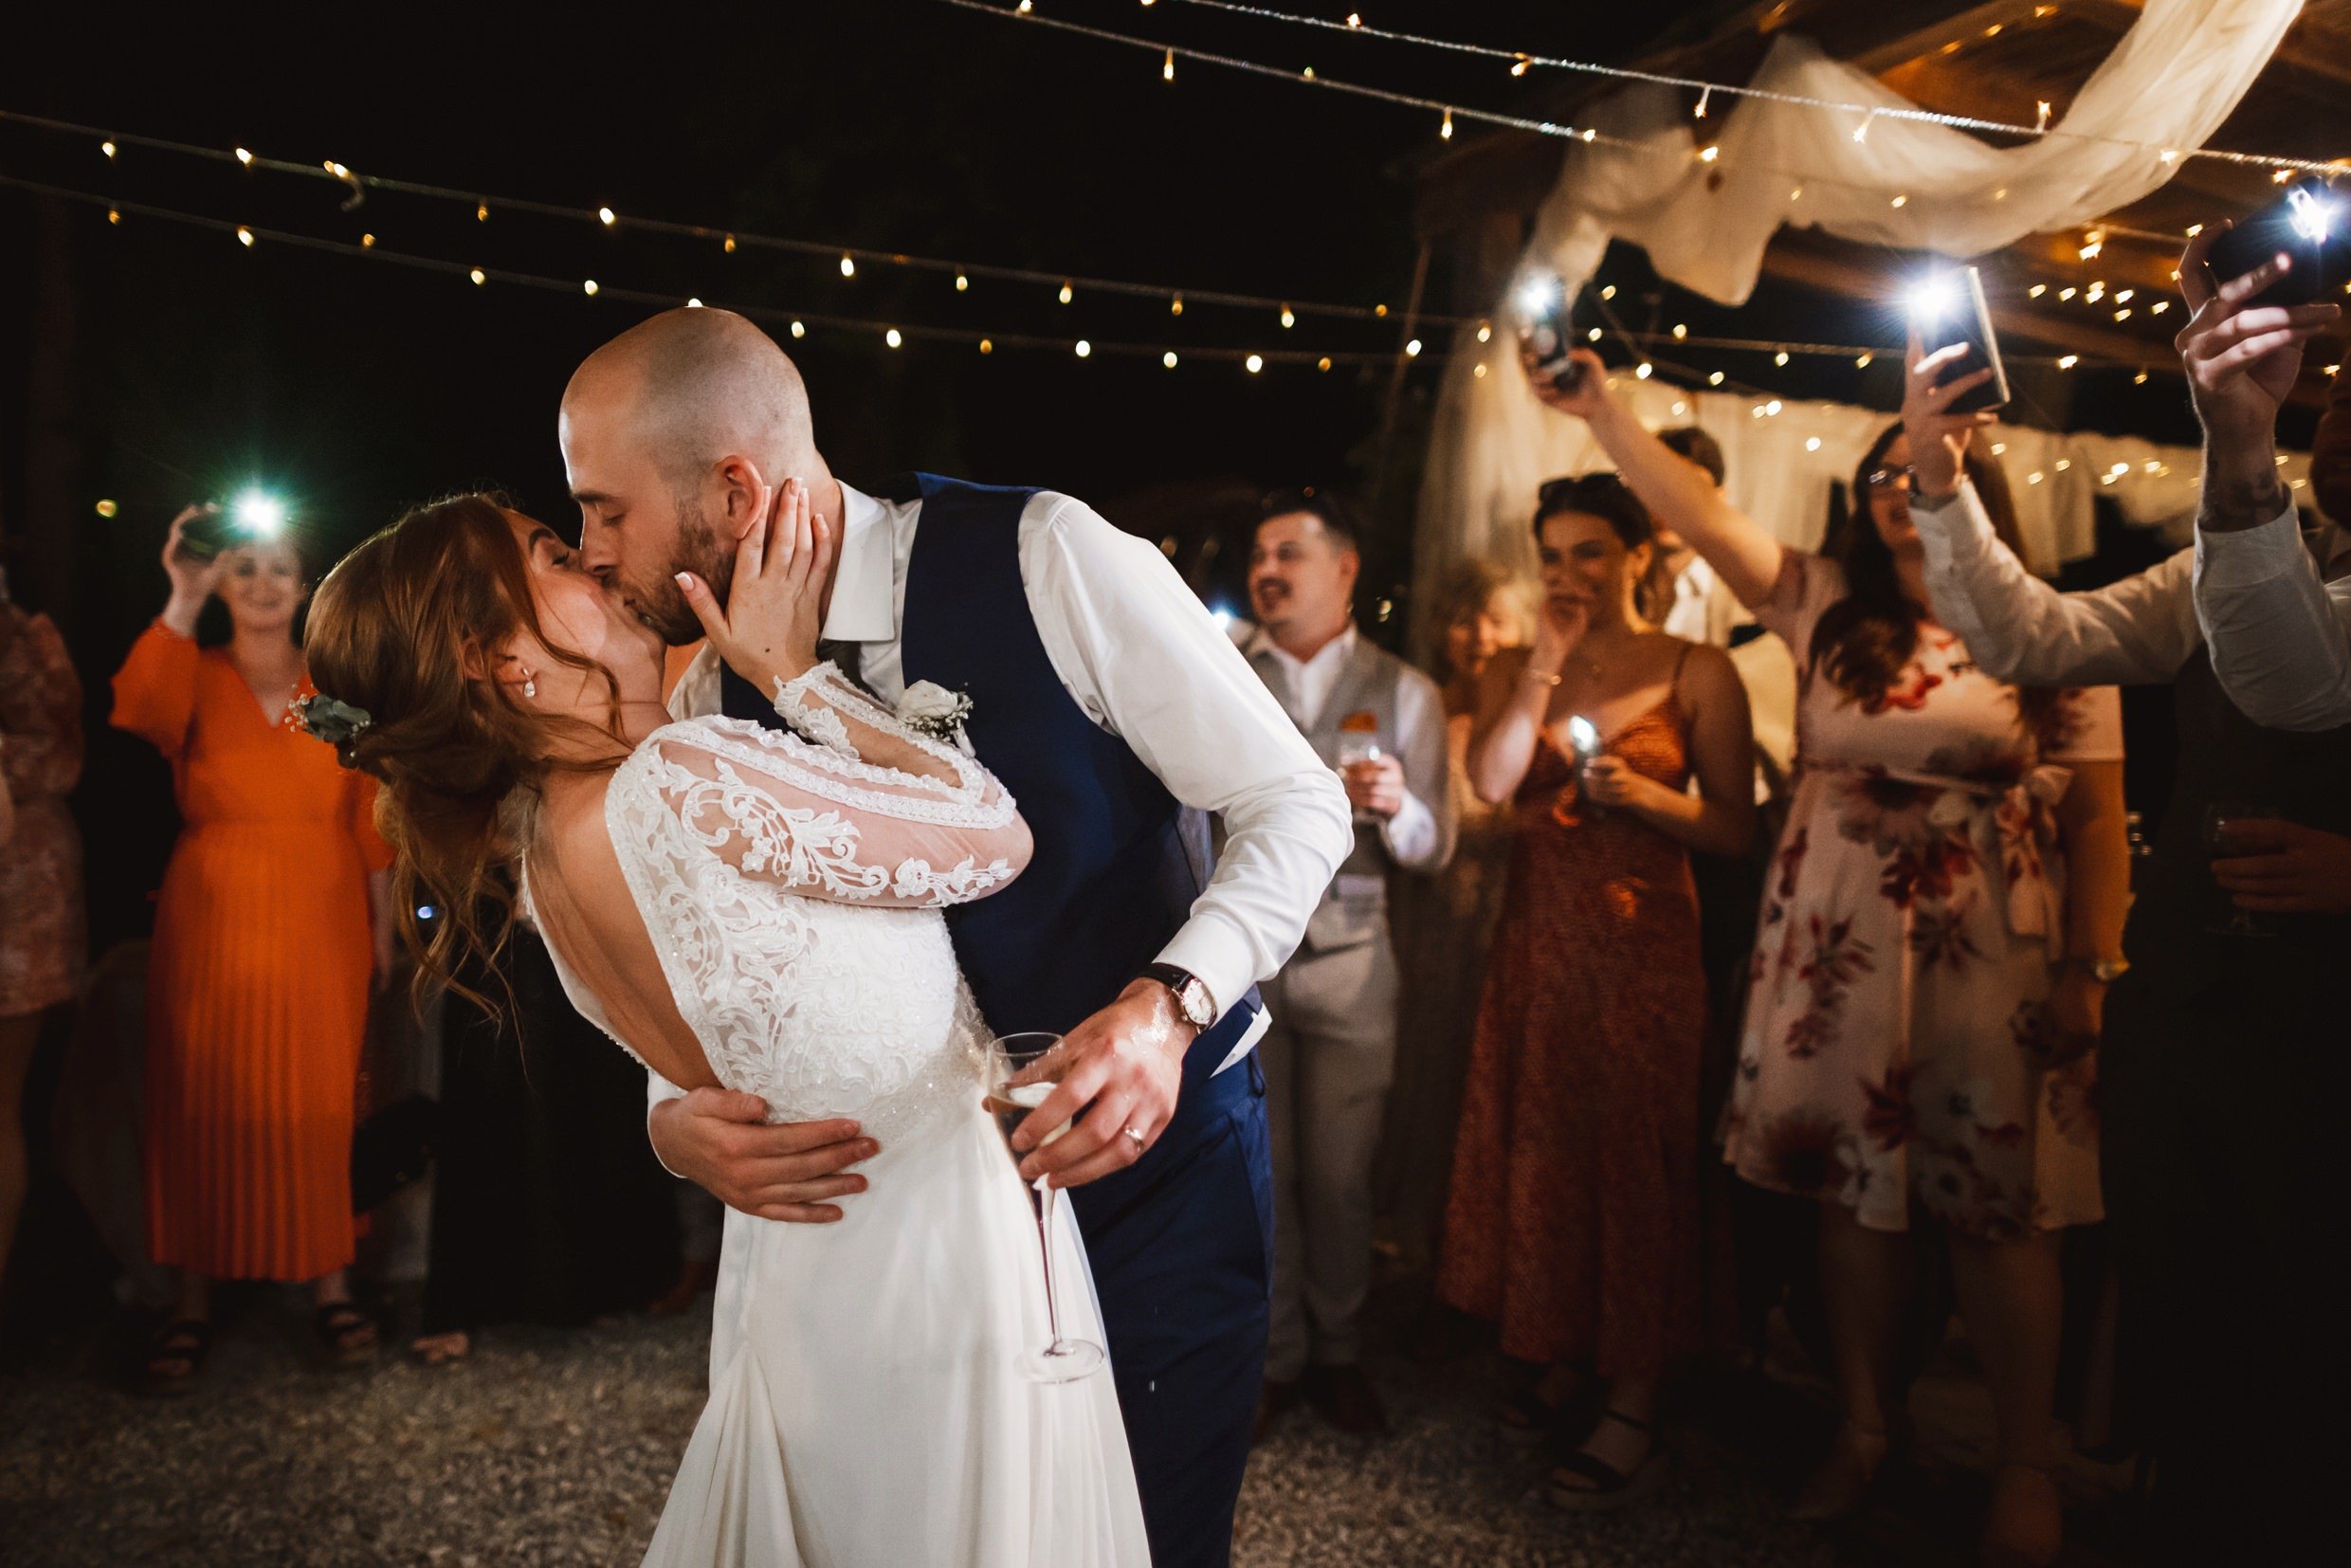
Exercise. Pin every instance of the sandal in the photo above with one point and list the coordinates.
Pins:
(347, 1335)
(441, 1350)
(184, 1344)
(1589, 1483)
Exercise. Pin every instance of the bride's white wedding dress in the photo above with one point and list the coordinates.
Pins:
(867, 1405)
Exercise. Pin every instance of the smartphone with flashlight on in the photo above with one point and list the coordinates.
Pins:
(2307, 225)
(1545, 322)
(248, 514)
(1948, 309)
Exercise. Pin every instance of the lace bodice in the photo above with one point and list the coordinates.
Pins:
(791, 890)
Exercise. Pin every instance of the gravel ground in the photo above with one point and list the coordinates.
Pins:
(558, 1447)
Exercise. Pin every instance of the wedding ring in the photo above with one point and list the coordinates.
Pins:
(1137, 1134)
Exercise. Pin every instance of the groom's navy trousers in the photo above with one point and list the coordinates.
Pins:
(1181, 1242)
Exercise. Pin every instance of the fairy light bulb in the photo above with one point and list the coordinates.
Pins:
(694, 303)
(1176, 305)
(1411, 350)
(1708, 154)
(1518, 66)
(1780, 359)
(1861, 362)
(799, 329)
(1068, 294)
(987, 345)
(107, 148)
(479, 277)
(606, 216)
(1290, 316)
(2036, 291)
(367, 242)
(1254, 363)
(729, 245)
(591, 286)
(1323, 363)
(1608, 292)
(1644, 370)
(892, 338)
(1168, 359)
(1715, 380)
(245, 158)
(481, 212)
(114, 214)
(2067, 361)
(244, 236)
(849, 265)
(1085, 349)
(1486, 332)
(962, 283)
(1446, 130)
(1594, 335)
(1167, 67)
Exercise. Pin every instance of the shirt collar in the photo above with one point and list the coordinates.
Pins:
(1338, 650)
(864, 586)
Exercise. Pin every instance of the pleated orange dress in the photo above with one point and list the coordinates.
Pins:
(257, 989)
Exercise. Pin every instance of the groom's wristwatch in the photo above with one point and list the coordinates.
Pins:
(1191, 998)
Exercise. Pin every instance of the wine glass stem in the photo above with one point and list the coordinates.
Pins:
(1049, 1195)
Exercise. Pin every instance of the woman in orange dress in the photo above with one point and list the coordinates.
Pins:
(1573, 1217)
(274, 915)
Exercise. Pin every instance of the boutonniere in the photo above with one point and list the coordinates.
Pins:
(930, 709)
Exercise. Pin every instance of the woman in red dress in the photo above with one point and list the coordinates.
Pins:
(1574, 1215)
(275, 913)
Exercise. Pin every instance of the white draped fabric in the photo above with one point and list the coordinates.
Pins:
(2168, 85)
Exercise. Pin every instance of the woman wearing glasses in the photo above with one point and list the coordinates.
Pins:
(1924, 1008)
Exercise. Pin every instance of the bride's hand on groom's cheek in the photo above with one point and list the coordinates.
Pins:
(1123, 1068)
(767, 629)
(720, 1140)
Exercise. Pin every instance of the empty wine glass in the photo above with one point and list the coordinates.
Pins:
(2222, 820)
(1061, 1361)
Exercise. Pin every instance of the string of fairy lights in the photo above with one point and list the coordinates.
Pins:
(1520, 62)
(1641, 346)
(1067, 284)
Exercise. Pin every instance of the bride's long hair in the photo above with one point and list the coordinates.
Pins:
(405, 628)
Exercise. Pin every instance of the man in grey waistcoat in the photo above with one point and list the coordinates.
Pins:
(1331, 1051)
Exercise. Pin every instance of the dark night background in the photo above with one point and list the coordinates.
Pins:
(153, 364)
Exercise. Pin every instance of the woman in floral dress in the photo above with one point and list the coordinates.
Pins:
(1920, 1042)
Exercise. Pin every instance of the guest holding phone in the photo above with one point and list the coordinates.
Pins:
(2222, 1067)
(1574, 1218)
(1919, 1045)
(274, 916)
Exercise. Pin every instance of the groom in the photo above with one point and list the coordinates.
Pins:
(1109, 701)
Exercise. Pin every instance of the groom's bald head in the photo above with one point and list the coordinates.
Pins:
(691, 386)
(674, 433)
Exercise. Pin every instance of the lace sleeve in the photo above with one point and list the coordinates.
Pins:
(813, 816)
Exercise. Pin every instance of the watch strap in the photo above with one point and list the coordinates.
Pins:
(1192, 995)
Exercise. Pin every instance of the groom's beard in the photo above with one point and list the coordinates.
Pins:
(703, 549)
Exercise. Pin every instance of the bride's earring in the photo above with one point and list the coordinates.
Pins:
(530, 683)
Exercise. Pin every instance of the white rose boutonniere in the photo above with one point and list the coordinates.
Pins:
(929, 708)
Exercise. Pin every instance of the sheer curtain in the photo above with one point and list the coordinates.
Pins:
(2169, 84)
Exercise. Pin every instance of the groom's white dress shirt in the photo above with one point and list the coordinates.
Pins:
(1139, 652)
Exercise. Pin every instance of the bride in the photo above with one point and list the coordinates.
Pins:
(758, 910)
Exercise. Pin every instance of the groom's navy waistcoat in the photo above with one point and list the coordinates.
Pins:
(1115, 872)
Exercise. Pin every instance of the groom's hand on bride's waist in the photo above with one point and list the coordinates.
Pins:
(1123, 1068)
(720, 1140)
